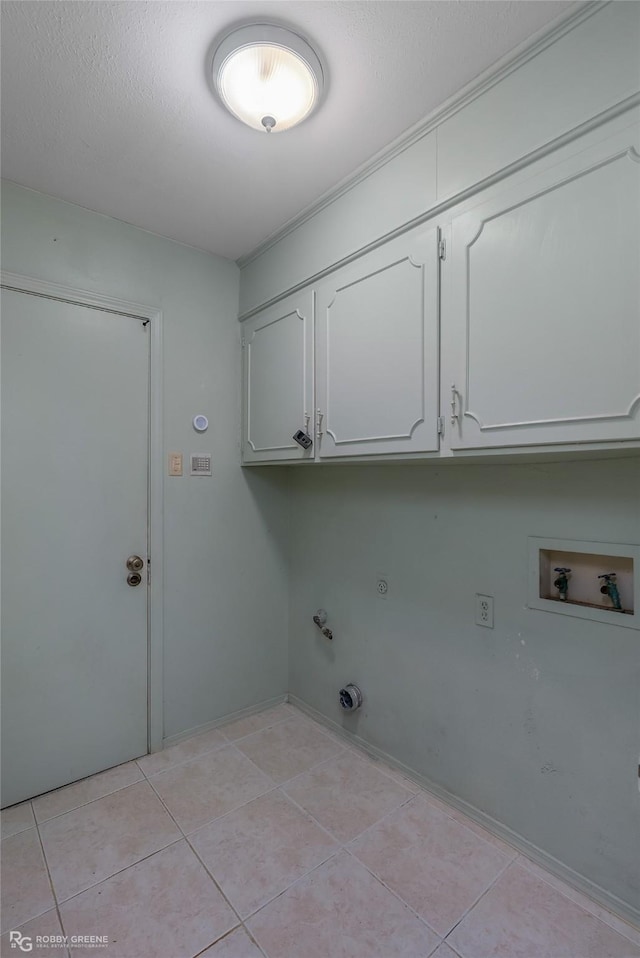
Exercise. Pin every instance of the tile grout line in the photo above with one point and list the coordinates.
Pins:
(386, 815)
(65, 901)
(226, 935)
(339, 847)
(280, 784)
(231, 906)
(234, 743)
(273, 724)
(300, 878)
(397, 896)
(422, 794)
(391, 772)
(89, 801)
(342, 846)
(53, 890)
(27, 801)
(184, 761)
(291, 719)
(278, 788)
(185, 834)
(293, 884)
(454, 950)
(186, 839)
(312, 768)
(480, 897)
(188, 836)
(590, 906)
(312, 818)
(273, 787)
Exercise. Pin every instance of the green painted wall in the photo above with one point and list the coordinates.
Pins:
(534, 722)
(225, 588)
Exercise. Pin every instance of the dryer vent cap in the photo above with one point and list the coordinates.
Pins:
(350, 697)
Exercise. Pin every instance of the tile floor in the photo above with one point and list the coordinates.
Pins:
(272, 837)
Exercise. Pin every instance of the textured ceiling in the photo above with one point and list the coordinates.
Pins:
(107, 104)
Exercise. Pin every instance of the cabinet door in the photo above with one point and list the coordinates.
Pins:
(541, 305)
(278, 380)
(377, 351)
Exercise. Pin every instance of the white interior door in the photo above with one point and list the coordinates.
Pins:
(75, 387)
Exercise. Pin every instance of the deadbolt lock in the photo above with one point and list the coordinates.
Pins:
(135, 564)
(134, 578)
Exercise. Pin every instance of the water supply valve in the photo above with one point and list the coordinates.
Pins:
(320, 619)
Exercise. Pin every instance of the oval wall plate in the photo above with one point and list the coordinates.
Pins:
(200, 423)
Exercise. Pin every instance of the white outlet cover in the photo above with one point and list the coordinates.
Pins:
(484, 610)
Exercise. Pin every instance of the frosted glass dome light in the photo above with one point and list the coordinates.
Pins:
(267, 77)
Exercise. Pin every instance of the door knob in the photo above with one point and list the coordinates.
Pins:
(134, 578)
(134, 564)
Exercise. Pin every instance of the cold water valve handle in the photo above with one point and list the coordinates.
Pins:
(320, 619)
(609, 587)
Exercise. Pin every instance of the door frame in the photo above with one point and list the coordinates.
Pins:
(155, 487)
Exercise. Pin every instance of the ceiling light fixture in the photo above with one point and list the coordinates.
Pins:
(267, 76)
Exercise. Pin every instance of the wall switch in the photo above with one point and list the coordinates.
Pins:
(175, 463)
(484, 610)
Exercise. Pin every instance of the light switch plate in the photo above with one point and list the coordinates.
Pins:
(175, 463)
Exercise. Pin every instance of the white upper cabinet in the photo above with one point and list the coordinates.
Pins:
(541, 303)
(377, 351)
(278, 380)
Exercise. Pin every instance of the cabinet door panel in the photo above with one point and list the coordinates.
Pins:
(278, 380)
(377, 351)
(543, 304)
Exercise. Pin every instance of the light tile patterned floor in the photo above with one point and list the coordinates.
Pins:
(272, 837)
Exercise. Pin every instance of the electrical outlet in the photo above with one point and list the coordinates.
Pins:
(484, 610)
(382, 587)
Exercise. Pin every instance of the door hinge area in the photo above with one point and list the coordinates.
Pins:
(442, 249)
(440, 421)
